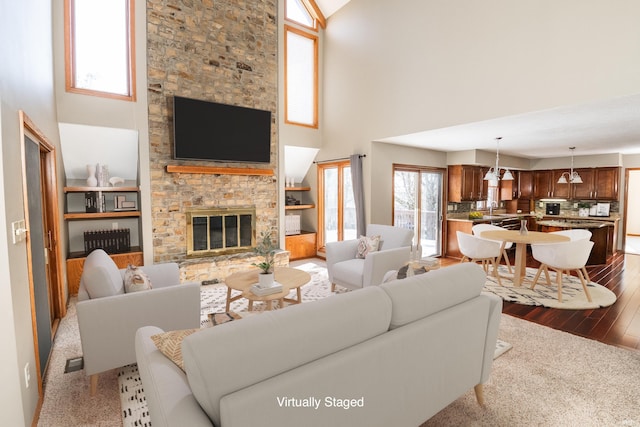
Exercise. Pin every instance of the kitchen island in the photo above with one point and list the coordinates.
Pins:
(600, 235)
(462, 222)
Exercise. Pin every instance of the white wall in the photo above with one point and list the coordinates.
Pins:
(26, 83)
(393, 68)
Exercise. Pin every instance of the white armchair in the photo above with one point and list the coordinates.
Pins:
(346, 270)
(108, 318)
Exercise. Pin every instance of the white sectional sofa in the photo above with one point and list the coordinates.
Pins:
(394, 354)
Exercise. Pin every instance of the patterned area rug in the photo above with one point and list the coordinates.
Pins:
(213, 300)
(573, 296)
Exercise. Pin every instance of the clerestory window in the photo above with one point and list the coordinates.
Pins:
(301, 62)
(99, 53)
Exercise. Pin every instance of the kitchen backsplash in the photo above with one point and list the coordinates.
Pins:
(566, 207)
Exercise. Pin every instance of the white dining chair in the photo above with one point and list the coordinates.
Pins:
(475, 249)
(575, 234)
(563, 258)
(479, 228)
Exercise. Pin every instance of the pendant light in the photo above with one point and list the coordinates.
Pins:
(572, 177)
(493, 174)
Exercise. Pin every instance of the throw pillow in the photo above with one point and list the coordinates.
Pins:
(367, 245)
(136, 280)
(170, 344)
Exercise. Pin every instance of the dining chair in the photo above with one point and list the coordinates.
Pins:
(479, 228)
(475, 249)
(563, 258)
(575, 234)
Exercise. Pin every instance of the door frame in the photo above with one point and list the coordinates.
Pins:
(626, 203)
(51, 218)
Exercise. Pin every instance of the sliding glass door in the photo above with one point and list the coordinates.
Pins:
(417, 205)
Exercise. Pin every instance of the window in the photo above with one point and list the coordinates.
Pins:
(301, 78)
(337, 209)
(99, 48)
(297, 12)
(301, 62)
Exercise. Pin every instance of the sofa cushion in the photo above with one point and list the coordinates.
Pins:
(420, 296)
(235, 355)
(170, 344)
(100, 275)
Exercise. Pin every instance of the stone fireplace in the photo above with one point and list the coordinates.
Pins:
(223, 51)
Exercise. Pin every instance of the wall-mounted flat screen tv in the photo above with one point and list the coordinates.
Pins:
(204, 130)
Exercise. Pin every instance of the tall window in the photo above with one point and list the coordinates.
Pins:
(417, 205)
(336, 210)
(99, 50)
(301, 63)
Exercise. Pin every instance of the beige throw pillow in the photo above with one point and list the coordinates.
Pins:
(136, 280)
(170, 344)
(367, 245)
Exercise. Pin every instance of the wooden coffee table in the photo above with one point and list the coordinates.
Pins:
(289, 278)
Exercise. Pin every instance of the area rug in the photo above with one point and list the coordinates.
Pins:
(213, 302)
(573, 296)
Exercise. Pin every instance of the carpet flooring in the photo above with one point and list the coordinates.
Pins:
(548, 378)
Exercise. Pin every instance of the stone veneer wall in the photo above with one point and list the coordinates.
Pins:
(220, 51)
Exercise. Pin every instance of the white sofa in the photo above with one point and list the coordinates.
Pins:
(346, 270)
(108, 318)
(396, 354)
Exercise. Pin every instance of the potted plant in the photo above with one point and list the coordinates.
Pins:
(266, 248)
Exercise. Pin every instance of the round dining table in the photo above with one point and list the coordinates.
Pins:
(521, 241)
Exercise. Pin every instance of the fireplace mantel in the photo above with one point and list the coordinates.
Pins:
(213, 170)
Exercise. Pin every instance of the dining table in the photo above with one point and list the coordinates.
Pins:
(521, 241)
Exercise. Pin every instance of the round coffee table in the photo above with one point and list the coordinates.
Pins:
(289, 278)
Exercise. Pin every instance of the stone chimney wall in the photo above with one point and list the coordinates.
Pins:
(220, 51)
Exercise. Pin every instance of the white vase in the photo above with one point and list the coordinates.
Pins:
(92, 181)
(265, 280)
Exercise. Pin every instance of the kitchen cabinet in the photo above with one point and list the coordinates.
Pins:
(545, 185)
(525, 185)
(542, 184)
(509, 189)
(597, 184)
(559, 191)
(466, 183)
(452, 249)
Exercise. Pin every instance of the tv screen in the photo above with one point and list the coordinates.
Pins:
(204, 130)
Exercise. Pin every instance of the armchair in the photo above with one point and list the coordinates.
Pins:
(345, 269)
(108, 318)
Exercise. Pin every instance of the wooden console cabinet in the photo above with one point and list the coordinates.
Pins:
(301, 245)
(75, 265)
